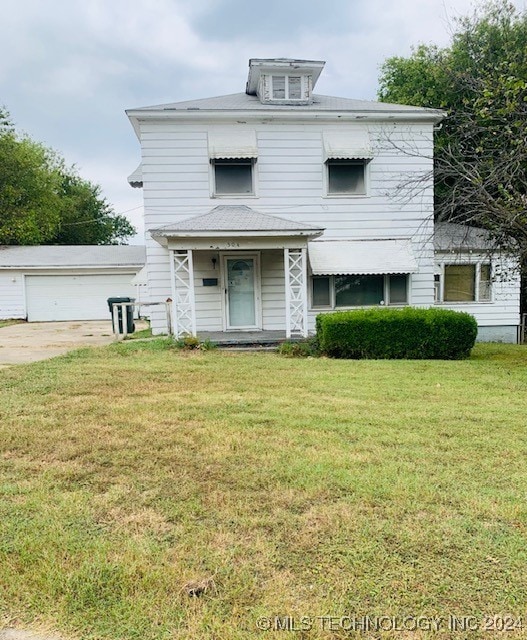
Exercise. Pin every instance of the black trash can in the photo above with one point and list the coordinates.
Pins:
(130, 326)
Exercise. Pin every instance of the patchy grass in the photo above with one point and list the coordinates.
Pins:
(8, 323)
(140, 334)
(133, 475)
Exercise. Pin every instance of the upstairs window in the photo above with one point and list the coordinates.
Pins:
(464, 283)
(233, 177)
(346, 177)
(286, 87)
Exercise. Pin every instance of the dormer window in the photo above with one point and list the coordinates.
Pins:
(283, 80)
(287, 87)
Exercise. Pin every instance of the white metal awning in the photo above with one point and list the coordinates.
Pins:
(135, 179)
(347, 145)
(238, 144)
(361, 257)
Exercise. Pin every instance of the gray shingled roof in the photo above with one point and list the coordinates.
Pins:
(72, 256)
(449, 236)
(235, 218)
(242, 101)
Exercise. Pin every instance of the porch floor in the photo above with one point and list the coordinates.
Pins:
(241, 338)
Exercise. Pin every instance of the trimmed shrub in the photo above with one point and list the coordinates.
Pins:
(397, 333)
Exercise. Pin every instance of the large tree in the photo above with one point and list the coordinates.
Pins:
(43, 201)
(480, 80)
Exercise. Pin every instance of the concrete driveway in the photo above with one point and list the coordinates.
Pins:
(32, 341)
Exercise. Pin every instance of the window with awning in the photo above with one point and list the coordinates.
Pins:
(346, 155)
(232, 157)
(360, 273)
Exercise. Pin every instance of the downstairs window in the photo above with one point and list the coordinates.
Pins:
(359, 291)
(464, 283)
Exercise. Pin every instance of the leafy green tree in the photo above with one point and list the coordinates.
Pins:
(85, 216)
(43, 201)
(481, 150)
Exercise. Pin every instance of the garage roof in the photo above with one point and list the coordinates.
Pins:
(72, 256)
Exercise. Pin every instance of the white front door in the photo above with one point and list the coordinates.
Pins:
(242, 291)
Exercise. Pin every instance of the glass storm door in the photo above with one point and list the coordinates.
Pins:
(241, 292)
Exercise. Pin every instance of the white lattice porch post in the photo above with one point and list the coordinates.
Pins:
(304, 292)
(295, 268)
(183, 302)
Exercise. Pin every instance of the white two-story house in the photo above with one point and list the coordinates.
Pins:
(268, 207)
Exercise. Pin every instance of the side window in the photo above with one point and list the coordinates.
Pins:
(485, 290)
(464, 283)
(233, 177)
(460, 283)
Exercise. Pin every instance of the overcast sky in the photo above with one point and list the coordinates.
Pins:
(69, 68)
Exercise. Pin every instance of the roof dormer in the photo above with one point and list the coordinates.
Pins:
(282, 80)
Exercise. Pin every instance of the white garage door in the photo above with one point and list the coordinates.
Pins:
(74, 297)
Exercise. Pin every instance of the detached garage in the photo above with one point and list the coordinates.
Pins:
(55, 283)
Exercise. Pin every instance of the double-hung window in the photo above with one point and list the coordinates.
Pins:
(359, 290)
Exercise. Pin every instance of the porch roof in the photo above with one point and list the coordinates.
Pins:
(361, 257)
(238, 220)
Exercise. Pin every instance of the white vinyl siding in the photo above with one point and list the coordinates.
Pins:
(12, 303)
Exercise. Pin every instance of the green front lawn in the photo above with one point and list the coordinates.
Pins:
(286, 487)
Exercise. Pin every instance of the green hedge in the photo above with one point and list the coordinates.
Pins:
(397, 333)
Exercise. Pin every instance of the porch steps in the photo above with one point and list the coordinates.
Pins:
(246, 340)
(253, 347)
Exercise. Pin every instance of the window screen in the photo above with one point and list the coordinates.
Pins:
(484, 282)
(460, 283)
(278, 87)
(321, 292)
(233, 177)
(345, 176)
(295, 87)
(398, 289)
(355, 291)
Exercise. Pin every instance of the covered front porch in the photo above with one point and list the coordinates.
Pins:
(236, 271)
